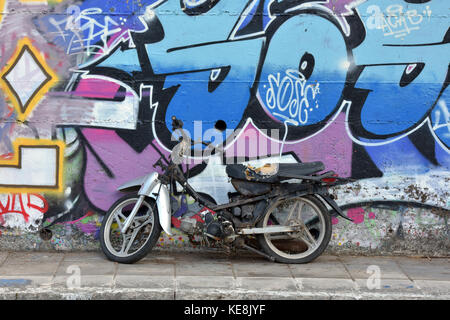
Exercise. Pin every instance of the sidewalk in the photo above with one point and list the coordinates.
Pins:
(212, 275)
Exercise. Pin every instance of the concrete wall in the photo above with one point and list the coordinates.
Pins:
(88, 89)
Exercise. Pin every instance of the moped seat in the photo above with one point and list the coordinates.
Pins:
(273, 172)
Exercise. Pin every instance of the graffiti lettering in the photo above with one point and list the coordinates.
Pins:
(22, 204)
(292, 93)
(395, 22)
(361, 85)
(442, 116)
(82, 30)
(37, 165)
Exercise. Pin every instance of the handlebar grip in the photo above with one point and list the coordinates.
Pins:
(176, 123)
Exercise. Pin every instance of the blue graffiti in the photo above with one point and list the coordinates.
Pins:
(286, 64)
(405, 64)
(304, 71)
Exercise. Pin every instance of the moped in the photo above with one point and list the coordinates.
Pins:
(279, 210)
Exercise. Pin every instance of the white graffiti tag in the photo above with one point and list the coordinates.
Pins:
(395, 22)
(81, 29)
(442, 116)
(292, 94)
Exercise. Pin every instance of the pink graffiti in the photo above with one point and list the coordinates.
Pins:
(86, 227)
(356, 214)
(333, 147)
(334, 220)
(108, 144)
(97, 88)
(21, 204)
(342, 6)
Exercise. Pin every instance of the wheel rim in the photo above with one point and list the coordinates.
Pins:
(307, 217)
(138, 234)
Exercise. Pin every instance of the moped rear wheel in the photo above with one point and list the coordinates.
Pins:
(313, 229)
(140, 237)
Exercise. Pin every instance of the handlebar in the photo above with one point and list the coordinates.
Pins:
(176, 123)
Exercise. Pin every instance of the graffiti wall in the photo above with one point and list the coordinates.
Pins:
(88, 89)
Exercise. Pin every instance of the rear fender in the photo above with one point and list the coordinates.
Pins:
(328, 199)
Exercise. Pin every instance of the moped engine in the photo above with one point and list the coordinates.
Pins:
(214, 228)
(189, 225)
(207, 223)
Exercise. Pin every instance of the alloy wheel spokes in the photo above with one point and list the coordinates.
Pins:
(305, 233)
(307, 238)
(297, 211)
(290, 213)
(130, 240)
(123, 243)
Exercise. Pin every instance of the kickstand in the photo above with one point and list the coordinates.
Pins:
(258, 252)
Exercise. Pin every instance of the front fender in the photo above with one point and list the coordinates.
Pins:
(163, 203)
(133, 184)
(150, 186)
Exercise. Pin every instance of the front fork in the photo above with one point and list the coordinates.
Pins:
(130, 218)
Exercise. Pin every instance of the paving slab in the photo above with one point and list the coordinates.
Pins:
(28, 269)
(278, 284)
(144, 282)
(434, 287)
(85, 281)
(224, 269)
(386, 286)
(199, 257)
(167, 258)
(425, 269)
(84, 256)
(87, 267)
(186, 275)
(248, 258)
(322, 267)
(260, 269)
(364, 267)
(325, 284)
(147, 268)
(34, 257)
(206, 282)
(3, 256)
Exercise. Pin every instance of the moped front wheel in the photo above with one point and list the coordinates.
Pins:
(312, 233)
(141, 236)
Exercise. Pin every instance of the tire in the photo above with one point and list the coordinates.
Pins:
(147, 230)
(291, 247)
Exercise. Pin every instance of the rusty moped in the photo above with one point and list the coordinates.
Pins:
(281, 211)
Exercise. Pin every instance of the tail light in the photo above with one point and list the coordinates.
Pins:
(330, 180)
